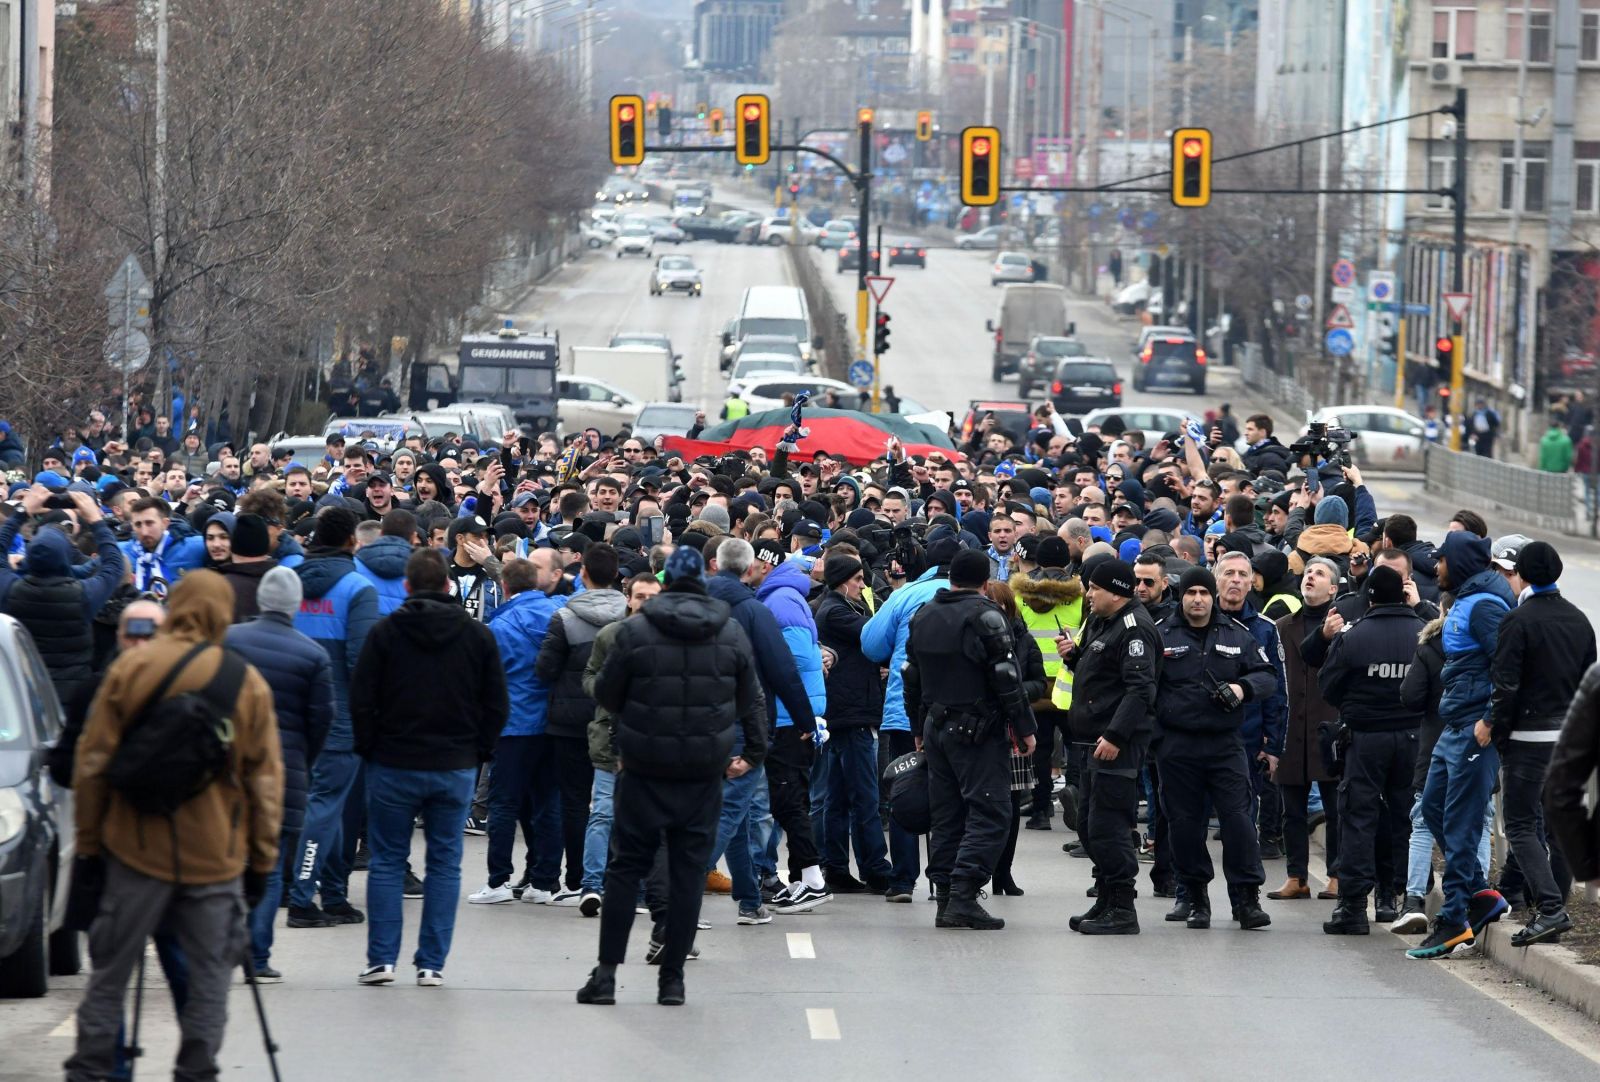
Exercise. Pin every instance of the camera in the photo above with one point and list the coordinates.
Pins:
(59, 502)
(1324, 444)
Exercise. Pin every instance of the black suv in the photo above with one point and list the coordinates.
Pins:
(1171, 359)
(1084, 385)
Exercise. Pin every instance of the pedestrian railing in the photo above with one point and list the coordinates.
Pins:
(1281, 389)
(1549, 501)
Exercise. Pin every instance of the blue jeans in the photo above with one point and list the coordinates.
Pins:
(395, 798)
(525, 769)
(321, 862)
(1419, 861)
(849, 767)
(764, 831)
(736, 833)
(597, 835)
(263, 916)
(1460, 782)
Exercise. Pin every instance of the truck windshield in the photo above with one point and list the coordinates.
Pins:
(482, 379)
(532, 381)
(788, 328)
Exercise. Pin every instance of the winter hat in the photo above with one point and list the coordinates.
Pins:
(1507, 549)
(224, 519)
(1385, 586)
(717, 515)
(1197, 576)
(1114, 575)
(1162, 519)
(51, 480)
(1238, 542)
(1539, 564)
(1128, 550)
(1217, 529)
(684, 565)
(1466, 554)
(839, 568)
(943, 550)
(83, 454)
(280, 591)
(1101, 533)
(250, 536)
(1272, 565)
(1332, 511)
(770, 552)
(1039, 495)
(1053, 552)
(970, 568)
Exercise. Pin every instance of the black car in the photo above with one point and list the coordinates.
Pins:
(37, 839)
(1171, 360)
(850, 258)
(907, 252)
(701, 228)
(1081, 385)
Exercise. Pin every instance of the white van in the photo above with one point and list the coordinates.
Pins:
(779, 310)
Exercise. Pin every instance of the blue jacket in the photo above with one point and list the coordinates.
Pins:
(784, 593)
(51, 554)
(519, 626)
(339, 609)
(775, 662)
(180, 550)
(383, 563)
(1266, 721)
(288, 553)
(884, 640)
(1470, 634)
(301, 679)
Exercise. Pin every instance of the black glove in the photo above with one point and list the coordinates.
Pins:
(88, 884)
(255, 887)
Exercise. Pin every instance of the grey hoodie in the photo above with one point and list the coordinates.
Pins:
(565, 652)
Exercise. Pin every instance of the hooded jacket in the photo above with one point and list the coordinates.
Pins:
(775, 664)
(519, 627)
(784, 592)
(234, 822)
(1049, 601)
(288, 552)
(383, 563)
(301, 679)
(565, 652)
(680, 680)
(1577, 754)
(1471, 628)
(854, 687)
(245, 578)
(337, 612)
(886, 634)
(451, 717)
(1421, 690)
(435, 473)
(1424, 569)
(1269, 454)
(1328, 539)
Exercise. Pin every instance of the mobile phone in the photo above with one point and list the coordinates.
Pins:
(650, 529)
(140, 627)
(527, 446)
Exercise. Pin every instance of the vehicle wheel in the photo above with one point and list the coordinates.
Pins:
(1137, 386)
(594, 242)
(619, 255)
(964, 246)
(774, 241)
(24, 975)
(66, 955)
(994, 282)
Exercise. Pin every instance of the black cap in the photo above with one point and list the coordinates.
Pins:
(770, 552)
(969, 568)
(1115, 576)
(1385, 586)
(1197, 576)
(807, 528)
(380, 478)
(962, 485)
(1539, 564)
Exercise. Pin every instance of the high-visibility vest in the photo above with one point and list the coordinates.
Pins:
(1046, 627)
(735, 408)
(1290, 602)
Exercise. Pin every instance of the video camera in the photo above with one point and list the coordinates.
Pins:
(1324, 444)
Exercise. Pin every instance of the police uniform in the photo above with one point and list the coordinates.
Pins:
(1115, 672)
(963, 684)
(1203, 755)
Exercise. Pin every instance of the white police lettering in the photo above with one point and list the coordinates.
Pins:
(1389, 670)
(1175, 651)
(1231, 651)
(1136, 648)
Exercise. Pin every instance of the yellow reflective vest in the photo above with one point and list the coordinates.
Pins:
(1046, 626)
(734, 409)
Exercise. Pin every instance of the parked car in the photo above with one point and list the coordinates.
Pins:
(850, 259)
(907, 252)
(664, 419)
(1085, 383)
(790, 230)
(987, 237)
(1386, 438)
(634, 239)
(1011, 267)
(1153, 422)
(836, 233)
(37, 836)
(675, 274)
(1010, 416)
(1171, 359)
(714, 229)
(1045, 352)
(598, 235)
(586, 402)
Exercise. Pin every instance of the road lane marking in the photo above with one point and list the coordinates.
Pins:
(800, 945)
(68, 1027)
(824, 1026)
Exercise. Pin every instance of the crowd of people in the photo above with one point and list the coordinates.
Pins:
(652, 667)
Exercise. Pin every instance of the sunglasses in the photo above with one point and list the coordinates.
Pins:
(1146, 582)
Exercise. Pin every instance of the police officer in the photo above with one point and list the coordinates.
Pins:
(1366, 664)
(1115, 668)
(962, 678)
(1211, 667)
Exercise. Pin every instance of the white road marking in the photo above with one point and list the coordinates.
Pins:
(824, 1026)
(67, 1028)
(800, 945)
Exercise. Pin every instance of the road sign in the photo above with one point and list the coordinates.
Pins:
(1342, 295)
(127, 350)
(1380, 286)
(1339, 342)
(1303, 302)
(1456, 304)
(879, 285)
(1344, 272)
(1339, 318)
(1408, 309)
(128, 296)
(860, 374)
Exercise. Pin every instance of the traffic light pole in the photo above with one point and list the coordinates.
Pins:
(864, 259)
(1458, 338)
(877, 358)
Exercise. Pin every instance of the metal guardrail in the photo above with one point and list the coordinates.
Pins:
(1547, 500)
(838, 343)
(1281, 389)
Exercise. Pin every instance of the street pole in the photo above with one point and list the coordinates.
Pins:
(1319, 288)
(863, 262)
(159, 189)
(1458, 271)
(127, 335)
(1518, 188)
(877, 359)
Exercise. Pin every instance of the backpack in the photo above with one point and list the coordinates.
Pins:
(178, 746)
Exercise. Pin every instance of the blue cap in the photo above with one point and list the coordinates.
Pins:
(83, 454)
(1101, 533)
(51, 480)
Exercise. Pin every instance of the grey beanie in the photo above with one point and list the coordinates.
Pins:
(1332, 511)
(717, 515)
(280, 591)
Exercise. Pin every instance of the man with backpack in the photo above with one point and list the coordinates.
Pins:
(169, 816)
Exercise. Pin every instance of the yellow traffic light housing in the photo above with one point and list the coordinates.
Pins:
(924, 126)
(752, 114)
(1191, 167)
(980, 166)
(627, 129)
(716, 122)
(864, 115)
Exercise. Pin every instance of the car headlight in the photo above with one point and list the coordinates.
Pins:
(13, 815)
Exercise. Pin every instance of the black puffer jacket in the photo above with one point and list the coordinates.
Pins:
(855, 690)
(1576, 756)
(565, 652)
(1421, 689)
(54, 605)
(680, 680)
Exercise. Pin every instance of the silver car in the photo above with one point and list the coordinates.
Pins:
(988, 237)
(1011, 267)
(675, 274)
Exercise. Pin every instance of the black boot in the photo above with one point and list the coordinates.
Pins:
(1101, 903)
(1349, 918)
(1040, 820)
(1248, 912)
(669, 988)
(1006, 886)
(1182, 909)
(965, 912)
(1119, 917)
(941, 899)
(1199, 908)
(602, 986)
(1384, 909)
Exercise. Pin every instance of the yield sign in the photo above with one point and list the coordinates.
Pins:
(1457, 304)
(879, 285)
(1340, 319)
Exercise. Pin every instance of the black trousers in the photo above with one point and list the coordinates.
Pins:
(647, 813)
(1377, 773)
(1196, 766)
(1269, 816)
(789, 787)
(1297, 828)
(1162, 872)
(1050, 721)
(969, 787)
(1523, 765)
(1111, 822)
(575, 774)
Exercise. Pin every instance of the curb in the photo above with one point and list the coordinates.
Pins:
(1551, 968)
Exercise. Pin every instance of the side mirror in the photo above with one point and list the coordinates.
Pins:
(1072, 329)
(816, 341)
(988, 324)
(618, 401)
(1416, 432)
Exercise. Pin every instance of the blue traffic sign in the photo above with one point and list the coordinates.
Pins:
(860, 374)
(1339, 342)
(1150, 220)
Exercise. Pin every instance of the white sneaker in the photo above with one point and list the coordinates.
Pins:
(535, 896)
(567, 899)
(376, 975)
(487, 895)
(429, 978)
(589, 904)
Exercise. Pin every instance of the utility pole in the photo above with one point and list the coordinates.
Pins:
(1519, 187)
(1458, 271)
(158, 196)
(864, 259)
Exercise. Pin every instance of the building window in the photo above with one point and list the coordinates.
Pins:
(1453, 33)
(1535, 176)
(1586, 200)
(1589, 37)
(1538, 36)
(1441, 174)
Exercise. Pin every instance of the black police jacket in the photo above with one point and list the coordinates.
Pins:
(1195, 660)
(1366, 664)
(1546, 644)
(1115, 670)
(960, 654)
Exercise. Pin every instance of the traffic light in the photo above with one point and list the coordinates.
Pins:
(880, 338)
(754, 144)
(716, 122)
(700, 111)
(1191, 167)
(664, 121)
(1444, 349)
(1389, 339)
(863, 116)
(924, 126)
(980, 166)
(627, 129)
(794, 190)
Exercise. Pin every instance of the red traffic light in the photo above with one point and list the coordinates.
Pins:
(752, 112)
(625, 113)
(1444, 344)
(980, 147)
(1192, 148)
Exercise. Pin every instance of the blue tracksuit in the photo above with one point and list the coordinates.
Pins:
(885, 636)
(383, 563)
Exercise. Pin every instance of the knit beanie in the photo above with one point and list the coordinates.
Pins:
(1114, 575)
(250, 536)
(1197, 576)
(1331, 511)
(839, 568)
(684, 564)
(280, 591)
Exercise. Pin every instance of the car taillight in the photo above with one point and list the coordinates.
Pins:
(921, 252)
(1055, 388)
(999, 336)
(1174, 341)
(894, 251)
(1116, 388)
(1144, 358)
(1199, 356)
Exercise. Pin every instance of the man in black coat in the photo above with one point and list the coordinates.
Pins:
(679, 681)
